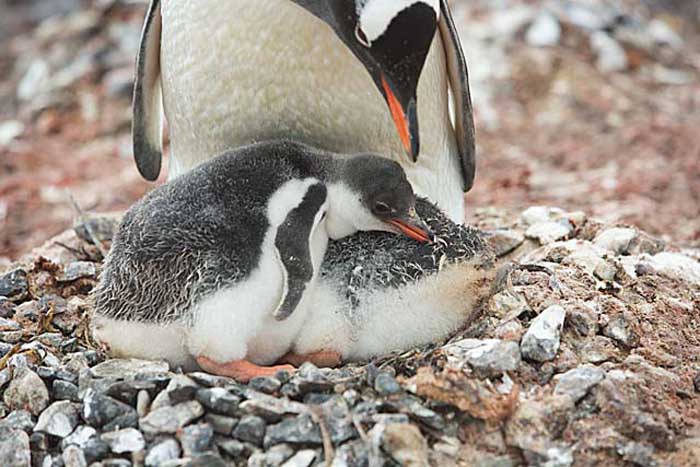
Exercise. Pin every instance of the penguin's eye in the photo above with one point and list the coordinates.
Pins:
(361, 37)
(381, 208)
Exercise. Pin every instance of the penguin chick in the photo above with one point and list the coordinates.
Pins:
(378, 293)
(211, 266)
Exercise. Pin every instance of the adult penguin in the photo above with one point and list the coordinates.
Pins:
(345, 75)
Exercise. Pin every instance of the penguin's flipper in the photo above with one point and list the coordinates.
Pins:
(147, 127)
(293, 247)
(459, 86)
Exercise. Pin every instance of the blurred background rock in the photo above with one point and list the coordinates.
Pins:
(585, 104)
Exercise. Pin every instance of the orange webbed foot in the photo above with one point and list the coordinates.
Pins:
(240, 370)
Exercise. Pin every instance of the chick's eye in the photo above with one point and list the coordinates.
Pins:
(381, 208)
(361, 37)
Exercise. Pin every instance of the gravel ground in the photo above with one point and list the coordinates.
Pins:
(586, 354)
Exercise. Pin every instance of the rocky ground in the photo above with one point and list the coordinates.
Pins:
(584, 104)
(587, 354)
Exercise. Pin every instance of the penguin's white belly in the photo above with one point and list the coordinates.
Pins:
(226, 325)
(392, 319)
(239, 71)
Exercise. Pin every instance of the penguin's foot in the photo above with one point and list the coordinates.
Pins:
(321, 358)
(240, 370)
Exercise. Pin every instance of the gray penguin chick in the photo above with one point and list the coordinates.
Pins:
(380, 293)
(215, 266)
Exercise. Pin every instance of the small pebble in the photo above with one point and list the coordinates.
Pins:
(250, 429)
(265, 384)
(385, 384)
(125, 440)
(162, 452)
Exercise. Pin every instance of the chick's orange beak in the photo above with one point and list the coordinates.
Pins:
(413, 227)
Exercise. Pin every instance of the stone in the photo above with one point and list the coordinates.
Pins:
(9, 130)
(128, 368)
(265, 384)
(276, 455)
(63, 390)
(73, 456)
(7, 307)
(598, 349)
(95, 449)
(308, 378)
(14, 285)
(100, 410)
(162, 451)
(196, 439)
(18, 420)
(638, 454)
(298, 430)
(26, 391)
(504, 241)
(170, 419)
(541, 340)
(231, 447)
(143, 403)
(530, 429)
(79, 437)
(39, 442)
(548, 232)
(385, 384)
(676, 266)
(269, 408)
(302, 458)
(617, 239)
(59, 419)
(124, 440)
(545, 31)
(403, 442)
(115, 462)
(619, 329)
(219, 400)
(250, 429)
(578, 381)
(9, 325)
(489, 357)
(14, 448)
(537, 214)
(611, 55)
(180, 388)
(220, 423)
(77, 270)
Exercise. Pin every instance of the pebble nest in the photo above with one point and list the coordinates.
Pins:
(587, 354)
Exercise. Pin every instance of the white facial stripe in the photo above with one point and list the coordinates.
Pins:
(376, 15)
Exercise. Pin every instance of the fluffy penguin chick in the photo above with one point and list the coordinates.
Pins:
(215, 266)
(379, 293)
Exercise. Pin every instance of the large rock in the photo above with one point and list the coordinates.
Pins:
(490, 357)
(27, 391)
(14, 448)
(59, 419)
(541, 341)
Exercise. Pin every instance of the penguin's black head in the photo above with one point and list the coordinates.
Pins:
(386, 195)
(392, 39)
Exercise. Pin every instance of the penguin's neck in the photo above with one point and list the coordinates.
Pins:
(346, 213)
